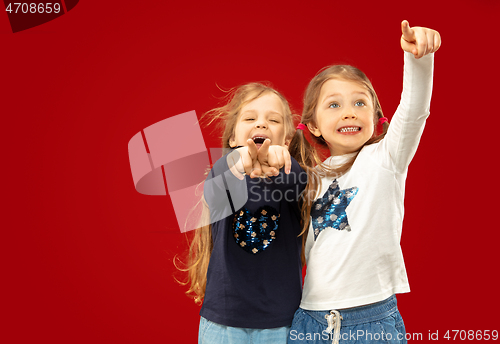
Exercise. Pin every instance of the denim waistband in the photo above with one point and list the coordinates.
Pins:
(359, 315)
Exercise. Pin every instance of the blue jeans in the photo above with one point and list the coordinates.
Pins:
(212, 333)
(375, 323)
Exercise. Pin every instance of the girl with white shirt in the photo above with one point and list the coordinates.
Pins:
(354, 261)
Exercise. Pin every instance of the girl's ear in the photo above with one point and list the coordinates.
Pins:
(232, 142)
(313, 129)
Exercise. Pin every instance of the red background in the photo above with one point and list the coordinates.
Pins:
(88, 259)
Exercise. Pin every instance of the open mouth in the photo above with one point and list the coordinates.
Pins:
(259, 140)
(349, 129)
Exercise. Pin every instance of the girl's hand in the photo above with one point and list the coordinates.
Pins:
(419, 41)
(244, 161)
(273, 158)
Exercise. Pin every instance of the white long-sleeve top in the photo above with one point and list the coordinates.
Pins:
(363, 263)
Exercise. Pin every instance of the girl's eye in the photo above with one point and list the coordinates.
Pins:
(360, 103)
(249, 119)
(334, 105)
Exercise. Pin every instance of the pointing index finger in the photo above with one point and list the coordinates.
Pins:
(408, 33)
(264, 150)
(252, 149)
(288, 161)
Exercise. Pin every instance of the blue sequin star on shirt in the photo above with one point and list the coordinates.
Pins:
(329, 211)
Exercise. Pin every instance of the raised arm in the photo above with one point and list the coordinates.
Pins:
(408, 122)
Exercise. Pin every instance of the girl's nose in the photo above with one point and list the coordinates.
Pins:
(349, 114)
(261, 124)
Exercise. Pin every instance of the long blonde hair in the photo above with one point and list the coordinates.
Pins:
(306, 154)
(201, 244)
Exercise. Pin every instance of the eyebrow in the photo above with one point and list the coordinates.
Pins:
(338, 94)
(270, 112)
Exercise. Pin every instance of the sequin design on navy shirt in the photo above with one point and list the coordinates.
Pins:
(255, 232)
(329, 211)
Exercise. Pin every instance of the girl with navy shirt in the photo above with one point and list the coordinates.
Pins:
(246, 261)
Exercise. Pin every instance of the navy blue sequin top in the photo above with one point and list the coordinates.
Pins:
(254, 277)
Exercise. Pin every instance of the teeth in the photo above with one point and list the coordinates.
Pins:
(349, 129)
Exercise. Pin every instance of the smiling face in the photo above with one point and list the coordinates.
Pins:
(344, 116)
(260, 119)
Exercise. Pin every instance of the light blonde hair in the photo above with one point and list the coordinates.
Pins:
(201, 244)
(237, 98)
(306, 154)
